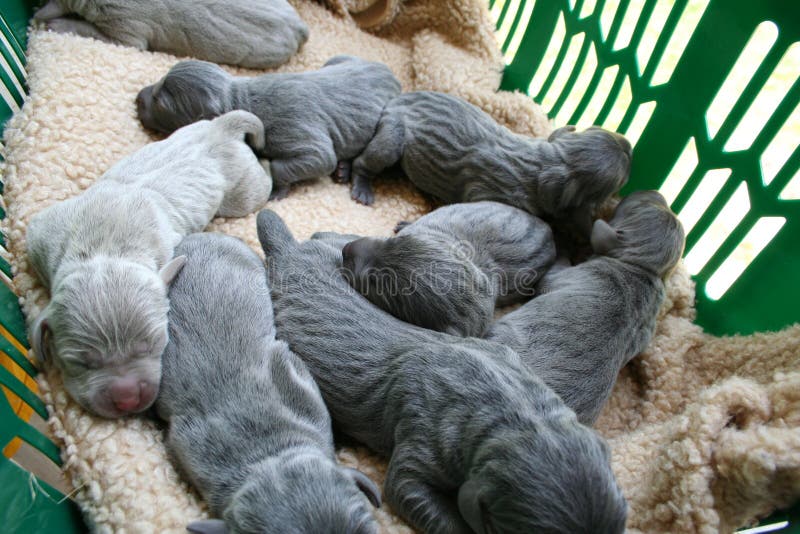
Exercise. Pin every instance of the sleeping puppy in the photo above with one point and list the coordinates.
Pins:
(246, 422)
(106, 256)
(454, 151)
(312, 120)
(260, 34)
(449, 269)
(590, 320)
(475, 442)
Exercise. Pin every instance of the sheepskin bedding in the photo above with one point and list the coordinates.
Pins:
(705, 431)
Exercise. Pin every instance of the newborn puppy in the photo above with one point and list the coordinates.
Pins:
(449, 269)
(106, 256)
(247, 424)
(454, 151)
(312, 120)
(475, 442)
(591, 319)
(259, 34)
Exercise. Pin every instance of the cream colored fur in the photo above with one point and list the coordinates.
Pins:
(705, 431)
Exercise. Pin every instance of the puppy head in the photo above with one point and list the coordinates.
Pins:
(105, 329)
(549, 479)
(191, 91)
(305, 493)
(422, 281)
(643, 231)
(597, 162)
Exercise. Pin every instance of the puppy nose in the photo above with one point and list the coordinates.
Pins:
(125, 393)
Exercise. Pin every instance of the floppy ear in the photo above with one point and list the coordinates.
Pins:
(169, 271)
(366, 485)
(469, 504)
(207, 526)
(40, 338)
(604, 237)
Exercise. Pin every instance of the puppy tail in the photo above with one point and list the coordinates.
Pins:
(243, 123)
(275, 237)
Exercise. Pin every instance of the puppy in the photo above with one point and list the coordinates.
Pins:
(258, 35)
(475, 442)
(106, 256)
(589, 320)
(454, 151)
(312, 120)
(449, 269)
(247, 424)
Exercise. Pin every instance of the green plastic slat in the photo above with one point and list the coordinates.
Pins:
(21, 391)
(11, 316)
(514, 24)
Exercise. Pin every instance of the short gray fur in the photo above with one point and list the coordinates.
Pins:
(476, 443)
(106, 255)
(589, 320)
(448, 270)
(247, 425)
(260, 34)
(312, 120)
(455, 152)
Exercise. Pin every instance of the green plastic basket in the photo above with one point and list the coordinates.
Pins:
(708, 91)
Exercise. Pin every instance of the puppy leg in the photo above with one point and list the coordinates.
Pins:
(423, 506)
(49, 11)
(77, 27)
(306, 165)
(342, 173)
(383, 151)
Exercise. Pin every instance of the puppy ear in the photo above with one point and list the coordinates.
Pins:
(169, 271)
(207, 526)
(41, 338)
(558, 132)
(604, 237)
(366, 485)
(469, 504)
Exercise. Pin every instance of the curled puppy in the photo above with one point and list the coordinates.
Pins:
(247, 424)
(106, 256)
(454, 151)
(590, 320)
(312, 120)
(475, 442)
(449, 269)
(259, 34)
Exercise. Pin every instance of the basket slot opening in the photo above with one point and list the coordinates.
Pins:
(680, 173)
(639, 121)
(537, 85)
(765, 229)
(751, 57)
(720, 229)
(709, 187)
(564, 70)
(511, 44)
(633, 12)
(775, 157)
(766, 102)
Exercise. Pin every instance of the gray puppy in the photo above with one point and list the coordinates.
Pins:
(449, 269)
(454, 151)
(106, 256)
(591, 319)
(312, 120)
(247, 424)
(475, 442)
(260, 34)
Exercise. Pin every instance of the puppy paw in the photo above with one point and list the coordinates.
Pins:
(342, 173)
(363, 195)
(279, 192)
(399, 226)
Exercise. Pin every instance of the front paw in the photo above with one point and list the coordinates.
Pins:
(362, 195)
(279, 192)
(342, 173)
